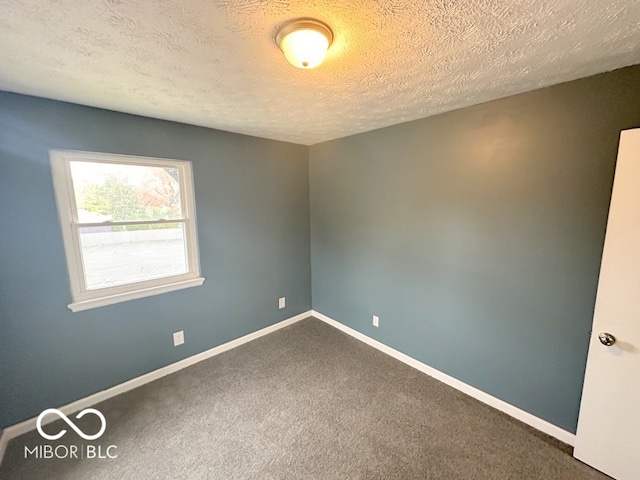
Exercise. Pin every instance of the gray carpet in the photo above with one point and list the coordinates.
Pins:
(305, 402)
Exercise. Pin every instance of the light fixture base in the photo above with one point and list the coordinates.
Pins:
(304, 23)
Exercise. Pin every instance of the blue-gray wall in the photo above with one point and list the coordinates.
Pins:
(252, 202)
(476, 236)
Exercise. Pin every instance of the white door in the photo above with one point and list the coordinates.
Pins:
(608, 436)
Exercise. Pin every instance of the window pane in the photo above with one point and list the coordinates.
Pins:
(122, 193)
(118, 255)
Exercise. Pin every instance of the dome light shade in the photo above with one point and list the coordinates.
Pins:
(304, 42)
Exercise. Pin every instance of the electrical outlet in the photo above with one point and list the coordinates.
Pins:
(282, 302)
(376, 321)
(178, 338)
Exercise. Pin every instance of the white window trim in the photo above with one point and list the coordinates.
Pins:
(82, 298)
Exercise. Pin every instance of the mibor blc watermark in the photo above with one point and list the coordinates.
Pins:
(71, 451)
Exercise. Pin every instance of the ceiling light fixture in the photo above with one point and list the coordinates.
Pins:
(304, 42)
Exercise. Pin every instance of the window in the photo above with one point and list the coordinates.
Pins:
(128, 225)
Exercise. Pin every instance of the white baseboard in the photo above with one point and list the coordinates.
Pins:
(26, 426)
(515, 412)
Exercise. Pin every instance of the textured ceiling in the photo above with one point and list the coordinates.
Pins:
(214, 63)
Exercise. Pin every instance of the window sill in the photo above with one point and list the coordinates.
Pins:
(133, 295)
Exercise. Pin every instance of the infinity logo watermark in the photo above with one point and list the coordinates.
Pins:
(71, 424)
(71, 451)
